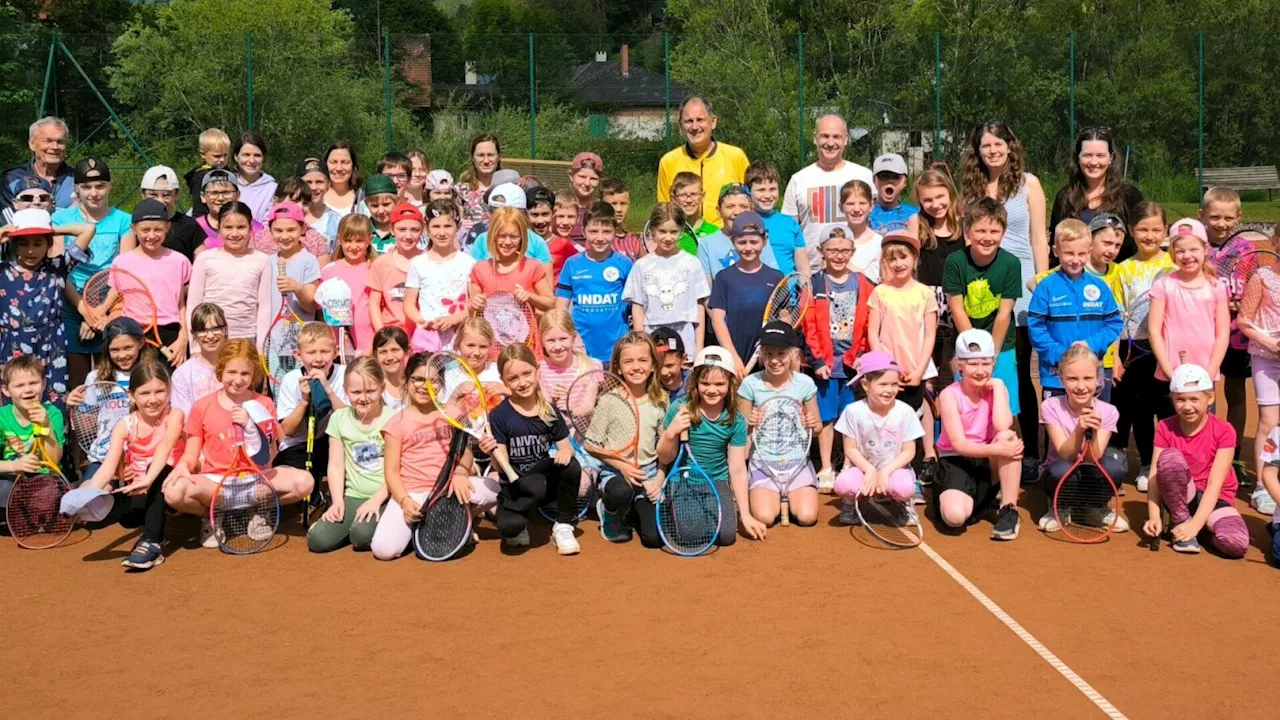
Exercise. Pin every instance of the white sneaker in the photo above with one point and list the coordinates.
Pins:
(521, 540)
(1121, 525)
(827, 481)
(1049, 522)
(259, 529)
(562, 536)
(1262, 501)
(1142, 481)
(208, 538)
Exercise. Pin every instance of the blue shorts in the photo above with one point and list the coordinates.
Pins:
(1007, 370)
(834, 395)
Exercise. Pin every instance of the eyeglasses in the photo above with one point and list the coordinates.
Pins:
(397, 176)
(221, 194)
(842, 252)
(690, 196)
(210, 333)
(38, 197)
(419, 379)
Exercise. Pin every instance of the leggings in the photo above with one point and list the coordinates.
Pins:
(1029, 414)
(901, 484)
(1179, 496)
(327, 536)
(147, 511)
(391, 539)
(543, 480)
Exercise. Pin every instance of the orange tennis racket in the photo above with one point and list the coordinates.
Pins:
(115, 293)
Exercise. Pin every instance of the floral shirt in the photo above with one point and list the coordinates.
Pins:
(31, 324)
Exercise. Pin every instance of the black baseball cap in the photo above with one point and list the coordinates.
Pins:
(779, 334)
(92, 170)
(540, 196)
(150, 210)
(667, 340)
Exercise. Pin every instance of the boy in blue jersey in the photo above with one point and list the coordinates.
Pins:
(785, 236)
(889, 212)
(1071, 306)
(592, 282)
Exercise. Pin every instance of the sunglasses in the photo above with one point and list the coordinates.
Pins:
(34, 198)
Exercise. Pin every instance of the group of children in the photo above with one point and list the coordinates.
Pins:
(910, 330)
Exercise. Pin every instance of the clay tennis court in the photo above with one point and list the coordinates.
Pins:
(810, 622)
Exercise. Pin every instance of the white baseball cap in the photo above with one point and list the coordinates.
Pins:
(1190, 378)
(90, 504)
(715, 356)
(890, 162)
(507, 195)
(975, 344)
(31, 221)
(159, 177)
(334, 298)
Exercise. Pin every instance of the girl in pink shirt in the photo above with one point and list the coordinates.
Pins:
(389, 272)
(1189, 321)
(235, 277)
(355, 255)
(508, 270)
(166, 274)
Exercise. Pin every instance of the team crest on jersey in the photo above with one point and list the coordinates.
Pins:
(1092, 293)
(611, 274)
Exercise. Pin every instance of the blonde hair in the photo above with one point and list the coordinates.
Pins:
(1071, 229)
(240, 349)
(566, 198)
(858, 188)
(478, 325)
(313, 332)
(937, 179)
(656, 393)
(518, 352)
(214, 139)
(1078, 353)
(366, 367)
(560, 320)
(500, 220)
(356, 227)
(1206, 267)
(892, 250)
(1226, 196)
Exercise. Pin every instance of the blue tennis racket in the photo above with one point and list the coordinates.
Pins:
(689, 509)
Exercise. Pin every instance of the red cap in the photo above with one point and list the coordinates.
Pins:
(405, 211)
(587, 160)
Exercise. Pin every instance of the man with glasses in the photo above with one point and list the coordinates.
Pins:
(812, 196)
(716, 163)
(185, 234)
(47, 138)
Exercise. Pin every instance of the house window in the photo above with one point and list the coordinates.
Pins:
(915, 139)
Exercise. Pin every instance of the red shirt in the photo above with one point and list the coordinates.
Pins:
(561, 249)
(1199, 450)
(526, 274)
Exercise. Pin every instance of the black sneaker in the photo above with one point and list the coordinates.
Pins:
(1006, 524)
(145, 556)
(928, 471)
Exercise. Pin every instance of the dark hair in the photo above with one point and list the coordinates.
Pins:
(440, 208)
(291, 186)
(235, 208)
(1149, 208)
(662, 212)
(600, 212)
(613, 186)
(983, 208)
(390, 334)
(1113, 182)
(357, 179)
(468, 176)
(394, 159)
(416, 361)
(974, 170)
(250, 138)
(146, 371)
(540, 196)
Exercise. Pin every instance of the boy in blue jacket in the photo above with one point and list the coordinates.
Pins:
(1071, 306)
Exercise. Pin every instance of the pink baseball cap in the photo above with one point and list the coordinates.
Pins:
(285, 211)
(875, 361)
(587, 160)
(1188, 226)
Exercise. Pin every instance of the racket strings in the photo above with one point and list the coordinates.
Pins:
(780, 437)
(280, 347)
(1083, 503)
(892, 522)
(510, 319)
(444, 529)
(613, 423)
(688, 516)
(1260, 305)
(92, 421)
(789, 301)
(34, 512)
(246, 513)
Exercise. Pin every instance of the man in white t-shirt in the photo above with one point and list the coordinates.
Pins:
(813, 194)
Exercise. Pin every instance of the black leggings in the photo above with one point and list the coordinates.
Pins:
(1029, 403)
(1142, 401)
(543, 481)
(147, 511)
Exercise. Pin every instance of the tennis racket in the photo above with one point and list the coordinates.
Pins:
(788, 303)
(311, 447)
(891, 522)
(245, 511)
(104, 405)
(279, 350)
(604, 415)
(34, 513)
(115, 293)
(455, 389)
(1086, 500)
(689, 510)
(445, 526)
(780, 447)
(1260, 304)
(1135, 342)
(513, 322)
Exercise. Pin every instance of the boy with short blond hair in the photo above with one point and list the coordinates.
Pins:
(687, 193)
(315, 387)
(215, 150)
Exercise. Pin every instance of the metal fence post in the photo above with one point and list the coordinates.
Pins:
(1072, 90)
(248, 62)
(800, 96)
(937, 96)
(48, 74)
(386, 82)
(1200, 119)
(533, 105)
(124, 129)
(666, 86)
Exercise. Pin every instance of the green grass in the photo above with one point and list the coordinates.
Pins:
(1262, 211)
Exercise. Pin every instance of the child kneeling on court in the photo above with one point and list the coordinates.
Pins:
(880, 433)
(356, 481)
(1193, 478)
(981, 454)
(312, 388)
(1066, 418)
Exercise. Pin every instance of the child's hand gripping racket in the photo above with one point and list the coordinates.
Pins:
(1086, 501)
(245, 511)
(115, 293)
(280, 349)
(100, 406)
(780, 447)
(456, 391)
(445, 525)
(513, 321)
(689, 509)
(788, 303)
(34, 510)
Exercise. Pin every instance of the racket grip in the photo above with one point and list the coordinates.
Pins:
(784, 513)
(280, 267)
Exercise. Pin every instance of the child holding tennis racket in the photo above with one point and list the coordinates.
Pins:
(122, 351)
(525, 428)
(980, 452)
(592, 285)
(903, 321)
(1066, 417)
(212, 429)
(235, 277)
(628, 490)
(314, 389)
(301, 276)
(142, 453)
(1259, 320)
(355, 470)
(1220, 211)
(390, 272)
(667, 287)
(1189, 319)
(196, 377)
(166, 274)
(717, 439)
(417, 448)
(779, 344)
(435, 293)
(835, 333)
(563, 359)
(506, 269)
(19, 419)
(1136, 392)
(352, 266)
(1193, 478)
(879, 438)
(391, 349)
(741, 293)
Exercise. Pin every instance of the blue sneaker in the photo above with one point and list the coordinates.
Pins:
(613, 526)
(1191, 547)
(145, 556)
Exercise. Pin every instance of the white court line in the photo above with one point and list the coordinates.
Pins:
(1078, 682)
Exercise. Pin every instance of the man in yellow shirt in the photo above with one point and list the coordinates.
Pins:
(717, 163)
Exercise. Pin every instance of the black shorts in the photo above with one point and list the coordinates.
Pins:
(1236, 365)
(913, 395)
(971, 476)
